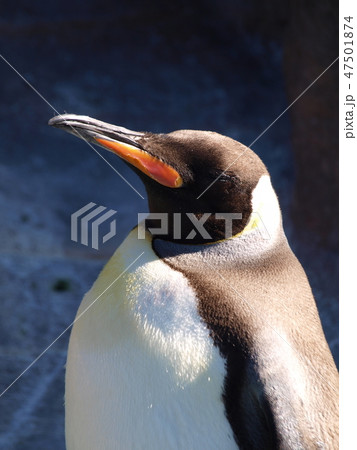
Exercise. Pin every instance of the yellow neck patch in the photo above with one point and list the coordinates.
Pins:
(254, 222)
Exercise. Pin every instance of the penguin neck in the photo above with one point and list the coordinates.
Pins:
(260, 235)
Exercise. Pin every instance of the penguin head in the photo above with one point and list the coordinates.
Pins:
(186, 173)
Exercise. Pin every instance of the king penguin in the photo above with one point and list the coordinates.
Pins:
(203, 334)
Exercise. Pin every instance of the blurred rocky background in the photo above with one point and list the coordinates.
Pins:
(159, 66)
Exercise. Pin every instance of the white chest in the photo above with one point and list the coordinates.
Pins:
(142, 371)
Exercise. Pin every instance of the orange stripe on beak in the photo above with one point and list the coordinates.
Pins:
(148, 164)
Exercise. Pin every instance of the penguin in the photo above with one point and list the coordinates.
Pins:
(203, 333)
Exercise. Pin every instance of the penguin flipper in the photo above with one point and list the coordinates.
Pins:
(250, 410)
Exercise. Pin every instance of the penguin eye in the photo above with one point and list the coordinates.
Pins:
(218, 175)
(224, 178)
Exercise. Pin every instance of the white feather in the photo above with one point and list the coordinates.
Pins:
(142, 371)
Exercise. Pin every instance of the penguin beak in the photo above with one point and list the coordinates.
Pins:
(127, 144)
